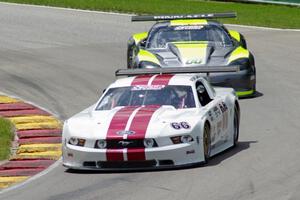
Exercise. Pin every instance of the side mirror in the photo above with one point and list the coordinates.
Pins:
(104, 91)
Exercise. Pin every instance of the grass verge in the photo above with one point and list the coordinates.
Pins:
(6, 136)
(248, 14)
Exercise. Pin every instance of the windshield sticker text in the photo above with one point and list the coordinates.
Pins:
(147, 87)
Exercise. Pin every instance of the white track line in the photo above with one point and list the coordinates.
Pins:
(127, 14)
(44, 172)
(263, 28)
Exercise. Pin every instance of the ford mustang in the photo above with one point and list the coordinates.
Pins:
(155, 119)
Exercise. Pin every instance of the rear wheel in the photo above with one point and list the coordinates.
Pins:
(129, 58)
(130, 54)
(206, 142)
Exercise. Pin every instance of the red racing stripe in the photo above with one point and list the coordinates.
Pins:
(136, 154)
(118, 123)
(141, 80)
(114, 155)
(162, 79)
(139, 125)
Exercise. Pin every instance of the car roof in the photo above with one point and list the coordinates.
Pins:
(164, 79)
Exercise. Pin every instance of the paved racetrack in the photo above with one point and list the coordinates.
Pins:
(62, 60)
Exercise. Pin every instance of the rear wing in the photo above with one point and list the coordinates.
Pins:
(140, 18)
(177, 70)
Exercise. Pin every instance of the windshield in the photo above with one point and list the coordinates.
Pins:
(177, 96)
(161, 36)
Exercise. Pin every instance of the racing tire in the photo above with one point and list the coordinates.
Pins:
(206, 142)
(243, 41)
(130, 55)
(236, 125)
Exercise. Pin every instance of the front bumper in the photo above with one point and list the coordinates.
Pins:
(243, 81)
(172, 156)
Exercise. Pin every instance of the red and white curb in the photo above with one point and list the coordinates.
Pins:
(39, 140)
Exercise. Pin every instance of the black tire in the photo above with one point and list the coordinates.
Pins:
(130, 55)
(206, 142)
(243, 41)
(236, 125)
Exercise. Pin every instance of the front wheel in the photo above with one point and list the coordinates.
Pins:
(236, 125)
(206, 142)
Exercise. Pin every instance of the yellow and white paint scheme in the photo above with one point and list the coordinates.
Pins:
(144, 55)
(239, 52)
(184, 22)
(191, 53)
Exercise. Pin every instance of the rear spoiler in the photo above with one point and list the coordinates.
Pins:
(140, 18)
(177, 70)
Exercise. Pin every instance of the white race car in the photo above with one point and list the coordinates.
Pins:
(153, 121)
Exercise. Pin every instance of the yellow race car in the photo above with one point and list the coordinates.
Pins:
(194, 40)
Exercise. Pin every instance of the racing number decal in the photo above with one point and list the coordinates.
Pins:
(175, 125)
(180, 125)
(185, 125)
(193, 61)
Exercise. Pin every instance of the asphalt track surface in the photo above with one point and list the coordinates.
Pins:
(62, 60)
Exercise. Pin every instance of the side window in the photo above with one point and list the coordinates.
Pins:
(202, 94)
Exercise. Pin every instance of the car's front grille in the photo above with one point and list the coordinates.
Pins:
(89, 164)
(127, 164)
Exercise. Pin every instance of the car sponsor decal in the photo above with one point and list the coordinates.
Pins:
(217, 111)
(147, 87)
(139, 125)
(195, 27)
(118, 123)
(224, 110)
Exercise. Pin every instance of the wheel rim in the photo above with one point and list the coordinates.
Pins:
(206, 141)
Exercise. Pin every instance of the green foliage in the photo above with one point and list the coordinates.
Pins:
(248, 14)
(6, 136)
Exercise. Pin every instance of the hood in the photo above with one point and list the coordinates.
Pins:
(134, 122)
(192, 54)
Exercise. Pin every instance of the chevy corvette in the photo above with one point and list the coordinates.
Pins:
(193, 40)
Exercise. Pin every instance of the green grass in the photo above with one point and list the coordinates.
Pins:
(6, 136)
(248, 14)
